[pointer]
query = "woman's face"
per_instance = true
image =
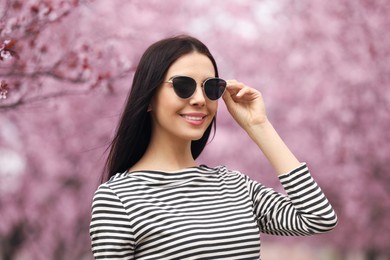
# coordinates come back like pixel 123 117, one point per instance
pixel 175 118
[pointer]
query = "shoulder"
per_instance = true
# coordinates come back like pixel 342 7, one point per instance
pixel 106 191
pixel 117 180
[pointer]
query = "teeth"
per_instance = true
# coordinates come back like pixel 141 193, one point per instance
pixel 194 118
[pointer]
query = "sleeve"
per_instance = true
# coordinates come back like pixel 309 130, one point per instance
pixel 110 230
pixel 304 211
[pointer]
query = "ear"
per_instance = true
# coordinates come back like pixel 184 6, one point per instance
pixel 149 108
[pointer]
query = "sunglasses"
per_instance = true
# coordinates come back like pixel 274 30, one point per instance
pixel 185 87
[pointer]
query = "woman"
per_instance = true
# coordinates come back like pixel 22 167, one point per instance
pixel 157 202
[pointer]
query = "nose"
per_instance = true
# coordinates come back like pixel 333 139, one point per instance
pixel 198 98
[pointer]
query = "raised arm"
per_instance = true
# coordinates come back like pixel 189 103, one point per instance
pixel 247 107
pixel 305 210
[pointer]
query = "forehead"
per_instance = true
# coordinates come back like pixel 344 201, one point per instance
pixel 192 64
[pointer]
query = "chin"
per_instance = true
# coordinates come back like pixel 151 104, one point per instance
pixel 195 137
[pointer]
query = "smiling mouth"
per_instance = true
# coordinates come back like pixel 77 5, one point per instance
pixel 193 118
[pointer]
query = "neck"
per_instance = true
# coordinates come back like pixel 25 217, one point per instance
pixel 166 155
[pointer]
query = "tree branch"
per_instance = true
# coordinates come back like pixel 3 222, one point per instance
pixel 24 101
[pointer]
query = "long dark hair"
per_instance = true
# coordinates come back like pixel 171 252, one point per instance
pixel 134 130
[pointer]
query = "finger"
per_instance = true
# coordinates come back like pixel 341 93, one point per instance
pixel 245 90
pixel 244 94
pixel 231 81
pixel 234 85
pixel 227 98
pixel 229 102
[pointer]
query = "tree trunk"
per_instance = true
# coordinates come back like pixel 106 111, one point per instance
pixel 371 254
pixel 12 243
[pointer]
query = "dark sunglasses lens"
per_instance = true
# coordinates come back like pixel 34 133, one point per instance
pixel 184 86
pixel 214 88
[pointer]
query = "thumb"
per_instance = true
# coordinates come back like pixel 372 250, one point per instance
pixel 229 102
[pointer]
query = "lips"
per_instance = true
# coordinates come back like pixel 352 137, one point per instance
pixel 194 118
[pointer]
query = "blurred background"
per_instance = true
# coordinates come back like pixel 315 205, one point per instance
pixel 66 67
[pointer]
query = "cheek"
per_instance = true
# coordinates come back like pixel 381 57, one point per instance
pixel 212 107
pixel 164 100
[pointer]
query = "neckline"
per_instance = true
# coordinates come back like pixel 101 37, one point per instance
pixel 186 169
pixel 168 178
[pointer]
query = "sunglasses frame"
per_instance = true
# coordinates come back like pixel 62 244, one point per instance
pixel 196 83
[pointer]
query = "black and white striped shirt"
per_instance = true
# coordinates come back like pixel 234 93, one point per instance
pixel 202 213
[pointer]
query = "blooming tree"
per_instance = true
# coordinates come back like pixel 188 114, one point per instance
pixel 65 70
pixel 326 68
pixel 323 68
pixel 336 71
pixel 66 67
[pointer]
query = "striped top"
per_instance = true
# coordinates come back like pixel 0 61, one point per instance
pixel 202 213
